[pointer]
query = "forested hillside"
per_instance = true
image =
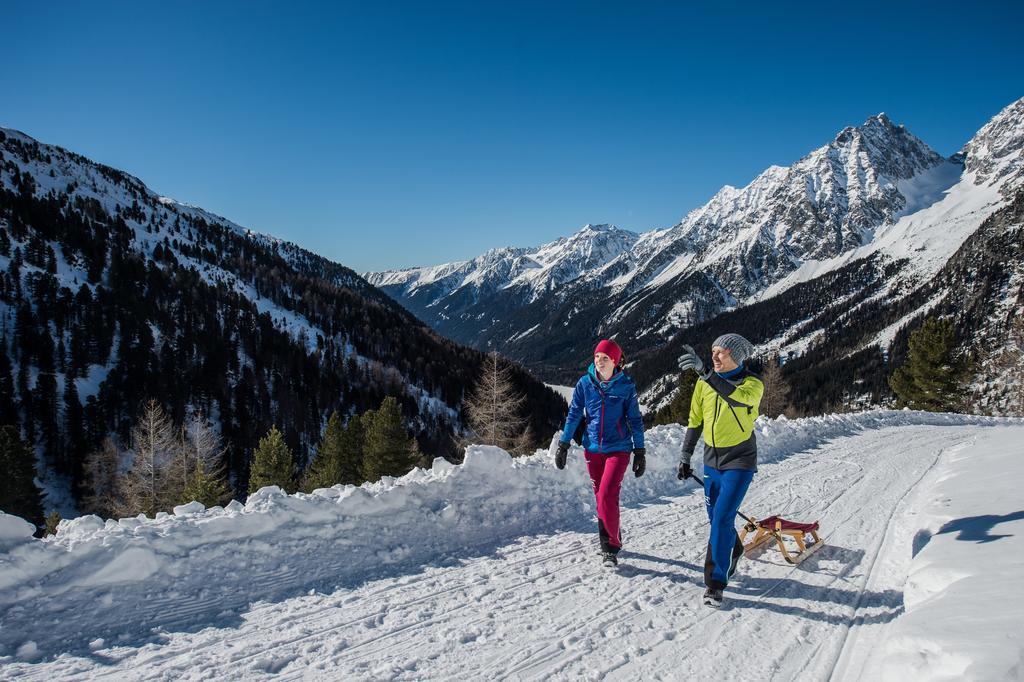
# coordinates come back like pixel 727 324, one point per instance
pixel 111 296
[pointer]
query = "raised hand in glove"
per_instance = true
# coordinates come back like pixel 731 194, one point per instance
pixel 561 453
pixel 689 360
pixel 639 461
pixel 685 471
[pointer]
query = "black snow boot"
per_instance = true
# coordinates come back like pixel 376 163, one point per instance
pixel 713 597
pixel 609 560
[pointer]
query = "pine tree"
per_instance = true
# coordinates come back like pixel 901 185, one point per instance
pixel 272 464
pixel 493 410
pixel 353 441
pixel 45 406
pixel 52 521
pixel 8 408
pixel 417 456
pixel 206 487
pixel 18 492
pixel 776 389
pixel 25 400
pixel 74 430
pixel 678 411
pixel 387 443
pixel 102 483
pixel 325 469
pixel 932 378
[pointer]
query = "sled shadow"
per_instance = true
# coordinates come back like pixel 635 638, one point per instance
pixel 830 559
pixel 776 595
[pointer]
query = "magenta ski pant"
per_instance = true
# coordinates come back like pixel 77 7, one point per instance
pixel 606 472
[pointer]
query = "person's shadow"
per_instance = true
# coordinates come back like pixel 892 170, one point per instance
pixel 685 573
pixel 969 529
pixel 777 594
pixel 978 528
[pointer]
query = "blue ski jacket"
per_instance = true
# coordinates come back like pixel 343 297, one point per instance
pixel 612 411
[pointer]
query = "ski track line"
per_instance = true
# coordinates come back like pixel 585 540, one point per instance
pixel 604 617
pixel 313 617
pixel 537 656
pixel 852 633
pixel 161 658
pixel 557 588
pixel 477 598
pixel 371 657
pixel 859 586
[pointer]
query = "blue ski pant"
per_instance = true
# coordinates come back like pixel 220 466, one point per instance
pixel 723 495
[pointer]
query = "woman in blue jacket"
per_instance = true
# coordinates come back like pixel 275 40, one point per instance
pixel 606 398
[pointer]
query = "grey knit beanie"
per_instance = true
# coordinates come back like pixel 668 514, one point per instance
pixel 740 347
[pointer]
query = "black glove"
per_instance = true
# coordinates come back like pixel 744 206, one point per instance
pixel 685 471
pixel 639 461
pixel 561 453
pixel 689 360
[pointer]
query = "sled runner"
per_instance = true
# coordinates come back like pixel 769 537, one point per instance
pixel 805 535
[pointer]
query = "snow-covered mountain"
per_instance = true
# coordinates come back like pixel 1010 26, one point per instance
pixel 874 189
pixel 465 299
pixel 844 321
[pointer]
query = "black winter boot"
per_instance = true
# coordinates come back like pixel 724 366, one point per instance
pixel 713 597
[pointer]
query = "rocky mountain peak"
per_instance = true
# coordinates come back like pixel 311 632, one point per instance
pixel 891 149
pixel 995 153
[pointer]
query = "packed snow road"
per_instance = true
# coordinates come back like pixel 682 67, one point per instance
pixel 542 607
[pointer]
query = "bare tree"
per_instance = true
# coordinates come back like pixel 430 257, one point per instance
pixel 199 453
pixel 776 389
pixel 149 487
pixel 494 409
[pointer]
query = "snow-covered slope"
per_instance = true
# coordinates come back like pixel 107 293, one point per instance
pixel 488 570
pixel 948 212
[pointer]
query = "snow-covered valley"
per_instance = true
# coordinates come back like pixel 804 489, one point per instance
pixel 490 570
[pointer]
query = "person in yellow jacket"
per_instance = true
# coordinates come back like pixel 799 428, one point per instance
pixel 724 407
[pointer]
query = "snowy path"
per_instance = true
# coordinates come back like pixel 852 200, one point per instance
pixel 542 608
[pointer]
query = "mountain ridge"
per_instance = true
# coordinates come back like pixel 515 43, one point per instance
pixel 720 254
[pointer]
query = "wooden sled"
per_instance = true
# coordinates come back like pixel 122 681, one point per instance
pixel 777 528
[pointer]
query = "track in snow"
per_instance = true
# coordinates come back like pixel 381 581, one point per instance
pixel 543 608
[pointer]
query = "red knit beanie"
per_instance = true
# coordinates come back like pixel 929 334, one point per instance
pixel 611 349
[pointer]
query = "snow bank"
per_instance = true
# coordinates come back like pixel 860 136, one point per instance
pixel 198 565
pixel 14 530
pixel 963 597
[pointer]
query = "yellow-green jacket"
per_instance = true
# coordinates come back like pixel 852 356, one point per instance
pixel 724 407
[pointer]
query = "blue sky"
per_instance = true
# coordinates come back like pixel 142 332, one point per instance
pixel 420 133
